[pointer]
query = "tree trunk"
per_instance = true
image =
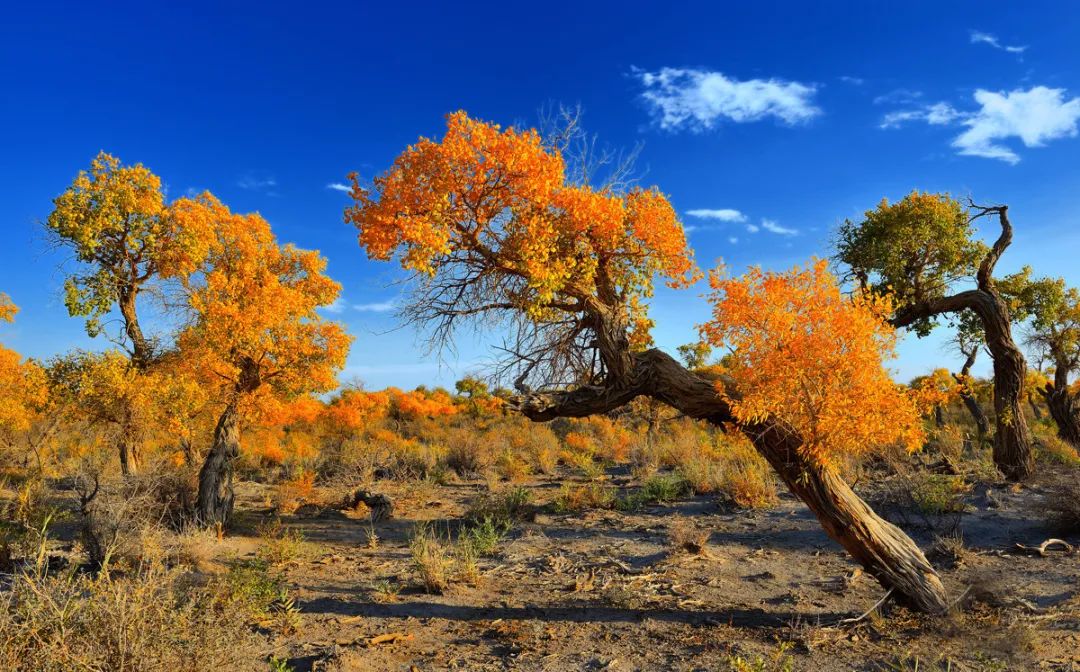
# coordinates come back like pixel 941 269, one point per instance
pixel 1012 440
pixel 1063 406
pixel 887 554
pixel 880 547
pixel 187 448
pixel 215 503
pixel 982 423
pixel 129 450
pixel 939 416
pixel 1035 409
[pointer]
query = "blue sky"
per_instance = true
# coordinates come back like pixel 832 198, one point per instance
pixel 782 119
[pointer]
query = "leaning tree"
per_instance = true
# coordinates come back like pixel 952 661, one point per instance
pixel 918 251
pixel 493 230
pixel 255 331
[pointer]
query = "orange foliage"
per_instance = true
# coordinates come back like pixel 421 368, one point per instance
pixel 808 355
pixel 502 194
pixel 936 389
pixel 353 410
pixel 255 303
pixel 420 404
pixel 23 388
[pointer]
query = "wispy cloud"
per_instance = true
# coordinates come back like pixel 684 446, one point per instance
pixel 753 228
pixel 722 214
pixel 854 81
pixel 381 307
pixel 696 100
pixel 1035 116
pixel 772 227
pixel 734 240
pixel 338 186
pixel 337 307
pixel 898 97
pixel 254 182
pixel 979 37
pixel 938 114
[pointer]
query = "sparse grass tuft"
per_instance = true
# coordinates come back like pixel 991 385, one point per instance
pixel 431 560
pixel 685 537
pixel 279 545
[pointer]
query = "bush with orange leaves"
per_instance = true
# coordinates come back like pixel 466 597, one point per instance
pixel 291 493
pixel 803 352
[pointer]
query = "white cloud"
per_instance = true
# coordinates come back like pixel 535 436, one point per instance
pixel 772 227
pixel 753 228
pixel 254 183
pixel 898 96
pixel 978 37
pixel 854 81
pixel 723 214
pixel 381 307
pixel 938 114
pixel 690 99
pixel 734 240
pixel 338 306
pixel 338 186
pixel 1036 116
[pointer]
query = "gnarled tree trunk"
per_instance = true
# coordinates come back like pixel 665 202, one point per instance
pixel 215 503
pixel 880 547
pixel 1063 406
pixel 1012 440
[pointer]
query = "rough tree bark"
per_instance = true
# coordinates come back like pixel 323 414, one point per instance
pixel 1063 406
pixel 141 356
pixel 1012 440
pixel 880 547
pixel 215 504
pixel 982 423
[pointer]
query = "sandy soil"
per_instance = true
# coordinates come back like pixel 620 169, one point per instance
pixel 601 590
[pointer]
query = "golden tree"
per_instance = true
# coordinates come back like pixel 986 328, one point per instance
pixel 254 328
pixel 126 241
pixel 804 354
pixel 24 391
pixel 492 229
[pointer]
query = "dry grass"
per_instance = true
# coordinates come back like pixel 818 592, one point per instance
pixel 432 560
pixel 154 620
pixel 1062 508
pixel 685 537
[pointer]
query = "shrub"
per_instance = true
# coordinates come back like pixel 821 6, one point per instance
pixel 502 508
pixel 483 537
pixel 291 493
pixel 657 489
pixel 154 620
pixel 573 498
pixel 430 560
pixel 939 494
pixel 685 537
pixel 467 454
pixel 1057 450
pixel 1062 504
pixel 279 545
